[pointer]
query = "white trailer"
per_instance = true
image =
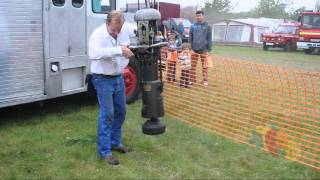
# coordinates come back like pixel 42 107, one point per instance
pixel 43 47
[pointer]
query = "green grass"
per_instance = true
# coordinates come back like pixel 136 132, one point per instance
pixel 274 56
pixel 59 141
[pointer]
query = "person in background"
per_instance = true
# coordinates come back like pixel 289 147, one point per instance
pixel 200 38
pixel 185 64
pixel 172 57
pixel 159 37
pixel 109 56
pixel 163 28
pixel 180 32
pixel 180 27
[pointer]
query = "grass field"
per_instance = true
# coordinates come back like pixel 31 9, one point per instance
pixel 245 98
pixel 276 56
pixel 58 141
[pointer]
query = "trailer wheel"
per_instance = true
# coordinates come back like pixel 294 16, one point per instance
pixel 293 46
pixel 287 47
pixel 308 51
pixel 265 46
pixel 290 46
pixel 132 81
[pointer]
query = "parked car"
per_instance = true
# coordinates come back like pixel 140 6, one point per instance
pixel 285 37
pixel 174 22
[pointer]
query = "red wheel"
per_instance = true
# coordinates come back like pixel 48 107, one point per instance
pixel 130 77
pixel 132 81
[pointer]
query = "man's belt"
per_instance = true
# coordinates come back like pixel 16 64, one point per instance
pixel 201 51
pixel 107 76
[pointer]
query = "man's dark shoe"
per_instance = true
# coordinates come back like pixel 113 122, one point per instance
pixel 122 149
pixel 112 161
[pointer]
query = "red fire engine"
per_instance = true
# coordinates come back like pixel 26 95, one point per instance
pixel 309 33
pixel 285 37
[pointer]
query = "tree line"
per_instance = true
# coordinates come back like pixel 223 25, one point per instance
pixel 216 10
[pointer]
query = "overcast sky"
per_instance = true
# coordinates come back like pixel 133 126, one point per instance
pixel 246 5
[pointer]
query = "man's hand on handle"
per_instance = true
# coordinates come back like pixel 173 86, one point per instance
pixel 126 52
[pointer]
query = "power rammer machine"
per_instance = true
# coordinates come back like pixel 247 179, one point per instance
pixel 146 47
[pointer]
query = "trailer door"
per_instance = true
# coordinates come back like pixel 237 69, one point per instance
pixel 21 52
pixel 67 28
pixel 66 57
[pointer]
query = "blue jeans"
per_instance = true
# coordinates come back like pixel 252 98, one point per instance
pixel 112 102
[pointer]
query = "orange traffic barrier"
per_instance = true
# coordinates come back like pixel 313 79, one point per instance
pixel 268 107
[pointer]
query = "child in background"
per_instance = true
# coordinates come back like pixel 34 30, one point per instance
pixel 185 62
pixel 172 58
pixel 163 52
pixel 159 37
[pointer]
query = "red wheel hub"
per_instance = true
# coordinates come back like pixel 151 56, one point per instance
pixel 130 79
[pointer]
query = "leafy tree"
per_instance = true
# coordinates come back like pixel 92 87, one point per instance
pixel 217 9
pixel 272 8
pixel 295 14
pixel 317 7
pixel 221 6
pixel 189 13
pixel 242 15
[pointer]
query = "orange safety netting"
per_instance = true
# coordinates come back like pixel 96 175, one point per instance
pixel 269 107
